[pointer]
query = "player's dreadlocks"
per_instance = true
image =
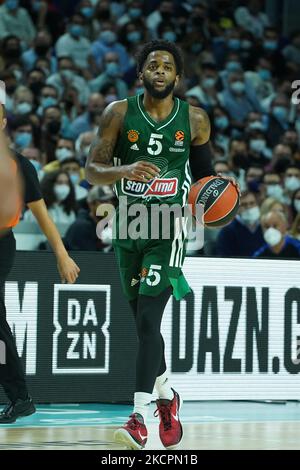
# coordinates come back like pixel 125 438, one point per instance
pixel 160 45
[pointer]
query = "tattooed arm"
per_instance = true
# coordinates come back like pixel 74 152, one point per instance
pixel 99 165
pixel 200 126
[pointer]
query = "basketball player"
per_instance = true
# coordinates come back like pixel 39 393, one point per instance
pixel 143 141
pixel 11 373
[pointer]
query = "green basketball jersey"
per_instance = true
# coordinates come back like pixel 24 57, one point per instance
pixel 166 144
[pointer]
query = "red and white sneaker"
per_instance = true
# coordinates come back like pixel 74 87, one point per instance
pixel 170 428
pixel 133 434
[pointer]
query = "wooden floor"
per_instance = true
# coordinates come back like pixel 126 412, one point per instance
pixel 196 437
pixel 210 425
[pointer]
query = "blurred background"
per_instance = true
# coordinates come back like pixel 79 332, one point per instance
pixel 64 61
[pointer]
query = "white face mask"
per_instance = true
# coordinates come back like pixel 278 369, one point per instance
pixel 272 236
pixel 63 153
pixel 297 205
pixel 275 190
pixel 107 236
pixel 292 183
pixel 257 145
pixel 250 216
pixel 61 191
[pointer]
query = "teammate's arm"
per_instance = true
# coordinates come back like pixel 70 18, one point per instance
pixel 99 165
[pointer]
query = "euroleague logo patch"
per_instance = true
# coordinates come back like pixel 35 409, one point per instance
pixel 179 135
pixel 133 136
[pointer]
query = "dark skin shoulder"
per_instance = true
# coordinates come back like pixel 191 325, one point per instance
pixel 200 125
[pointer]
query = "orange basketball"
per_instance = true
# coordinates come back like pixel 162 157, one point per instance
pixel 219 198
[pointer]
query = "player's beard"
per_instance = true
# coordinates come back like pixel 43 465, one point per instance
pixel 159 94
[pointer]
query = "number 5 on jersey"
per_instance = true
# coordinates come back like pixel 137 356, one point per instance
pixel 155 142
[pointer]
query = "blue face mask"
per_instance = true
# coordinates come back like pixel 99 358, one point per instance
pixel 75 178
pixel 169 36
pixel 221 122
pixel 108 37
pixel 238 87
pixel 134 37
pixel 270 45
pixel 87 12
pixel 24 108
pixel 280 112
pixel 112 69
pixel 76 30
pixel 233 66
pixel 12 4
pixel 208 82
pixel 234 44
pixel 23 139
pixel 117 9
pixel 134 12
pixel 37 165
pixel 48 101
pixel 265 74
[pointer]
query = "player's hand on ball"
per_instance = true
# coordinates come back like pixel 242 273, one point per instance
pixel 233 181
pixel 68 270
pixel 141 171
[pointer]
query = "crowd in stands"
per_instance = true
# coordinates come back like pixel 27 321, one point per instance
pixel 63 62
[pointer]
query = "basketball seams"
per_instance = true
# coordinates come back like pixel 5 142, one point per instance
pixel 224 216
pixel 216 200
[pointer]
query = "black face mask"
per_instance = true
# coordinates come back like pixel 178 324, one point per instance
pixel 53 127
pixel 95 114
pixel 11 89
pixel 41 49
pixel 13 53
pixel 241 160
pixel 36 87
pixel 103 14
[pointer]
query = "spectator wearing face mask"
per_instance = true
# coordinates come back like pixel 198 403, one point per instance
pixel 67 75
pixel 110 77
pixel 16 20
pixel 238 99
pixel 292 51
pixel 75 45
pixel 272 187
pixel 262 78
pixel 243 236
pixel 108 42
pixel 253 178
pixel 83 145
pixel 48 98
pixel 23 101
pixel 89 121
pixel 41 48
pixel 83 233
pixel 22 133
pixel 134 12
pixel 59 196
pixel 278 244
pixel 278 119
pixel 281 159
pixel 34 156
pixel 259 152
pixel 65 148
pixel 206 91
pixel 291 182
pixel 76 174
pixel 51 128
pixel 11 50
pixel 221 129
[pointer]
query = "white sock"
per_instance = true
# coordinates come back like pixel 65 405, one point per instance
pixel 163 387
pixel 142 402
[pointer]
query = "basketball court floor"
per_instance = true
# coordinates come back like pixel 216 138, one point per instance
pixel 207 425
